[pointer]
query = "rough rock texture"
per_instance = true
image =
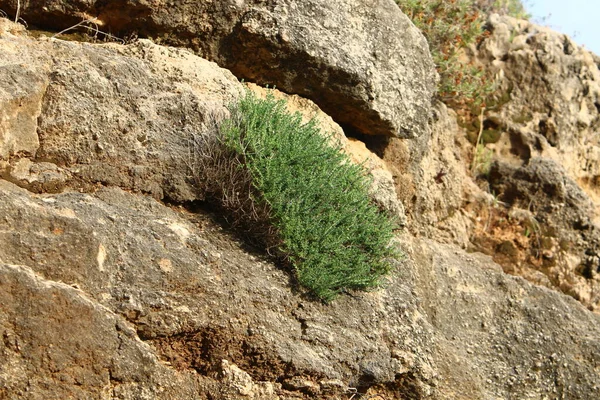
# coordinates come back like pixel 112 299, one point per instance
pixel 57 342
pixel 560 216
pixel 134 297
pixel 120 115
pixel 109 114
pixel 363 62
pixel 551 90
pixel 113 294
pixel 432 181
pixel 546 120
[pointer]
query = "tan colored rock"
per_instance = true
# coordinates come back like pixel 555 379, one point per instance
pixel 22 86
pixel 447 325
pixel 432 181
pixel 67 345
pixel 37 176
pixel 239 380
pixel 551 89
pixel 106 114
pixel 547 113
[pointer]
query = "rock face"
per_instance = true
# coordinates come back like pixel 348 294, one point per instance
pixel 560 216
pixel 131 133
pixel 547 157
pixel 363 62
pixel 431 179
pixel 126 298
pixel 134 132
pixel 105 292
pixel 552 96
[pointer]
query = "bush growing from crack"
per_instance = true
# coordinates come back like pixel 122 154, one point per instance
pixel 286 185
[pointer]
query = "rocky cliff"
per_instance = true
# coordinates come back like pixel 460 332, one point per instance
pixel 117 281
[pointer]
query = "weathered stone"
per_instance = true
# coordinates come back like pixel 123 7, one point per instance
pixel 111 294
pixel 102 127
pixel 363 62
pixel 22 85
pixel 217 302
pixel 550 98
pixel 37 177
pixel 431 179
pixel 110 114
pixel 57 342
pixel 561 219
pixel 548 113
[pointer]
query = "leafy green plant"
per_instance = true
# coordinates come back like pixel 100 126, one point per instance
pixel 314 197
pixel 482 160
pixel 450 26
pixel 482 157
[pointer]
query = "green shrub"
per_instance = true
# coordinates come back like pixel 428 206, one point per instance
pixel 450 26
pixel 310 193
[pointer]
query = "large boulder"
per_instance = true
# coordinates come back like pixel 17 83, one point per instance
pixel 79 115
pixel 105 114
pixel 363 62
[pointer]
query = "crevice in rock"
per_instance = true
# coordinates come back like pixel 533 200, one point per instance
pixel 404 387
pixel 375 143
pixel 519 147
pixel 207 349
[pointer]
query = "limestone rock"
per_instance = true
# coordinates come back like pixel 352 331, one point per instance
pixel 37 177
pixel 363 62
pixel 562 220
pixel 548 115
pixel 111 114
pixel 104 316
pixel 106 292
pixel 550 105
pixel 21 90
pixel 59 342
pixel 431 179
pixel 101 126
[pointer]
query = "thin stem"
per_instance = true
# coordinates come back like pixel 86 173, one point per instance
pixel 18 11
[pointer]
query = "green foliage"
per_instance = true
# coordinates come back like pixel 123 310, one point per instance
pixel 450 26
pixel 482 160
pixel 327 227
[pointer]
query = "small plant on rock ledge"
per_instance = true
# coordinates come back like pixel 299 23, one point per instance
pixel 283 181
